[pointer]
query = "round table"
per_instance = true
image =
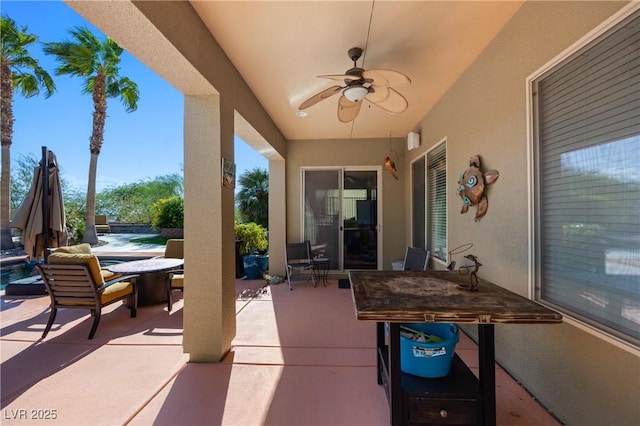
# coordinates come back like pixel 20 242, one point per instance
pixel 321 269
pixel 153 281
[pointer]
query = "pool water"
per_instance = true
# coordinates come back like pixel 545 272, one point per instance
pixel 16 271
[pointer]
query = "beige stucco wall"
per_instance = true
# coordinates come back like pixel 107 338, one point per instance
pixel 580 377
pixel 352 152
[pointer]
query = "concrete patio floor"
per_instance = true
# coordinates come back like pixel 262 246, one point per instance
pixel 299 358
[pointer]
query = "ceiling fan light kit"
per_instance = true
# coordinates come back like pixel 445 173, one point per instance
pixel 355 93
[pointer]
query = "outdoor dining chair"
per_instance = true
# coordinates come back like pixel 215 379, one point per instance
pixel 298 257
pixel 416 259
pixel 174 250
pixel 75 281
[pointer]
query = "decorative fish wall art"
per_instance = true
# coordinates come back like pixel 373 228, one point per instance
pixel 472 185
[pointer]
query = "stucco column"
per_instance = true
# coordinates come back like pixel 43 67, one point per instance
pixel 209 294
pixel 277 217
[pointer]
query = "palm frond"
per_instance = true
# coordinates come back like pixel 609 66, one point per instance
pixel 28 77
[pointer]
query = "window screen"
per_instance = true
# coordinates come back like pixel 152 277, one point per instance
pixel 587 120
pixel 418 189
pixel 437 201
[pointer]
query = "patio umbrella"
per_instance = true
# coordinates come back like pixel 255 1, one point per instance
pixel 41 216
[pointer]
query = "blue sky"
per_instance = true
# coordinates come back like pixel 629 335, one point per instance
pixel 139 145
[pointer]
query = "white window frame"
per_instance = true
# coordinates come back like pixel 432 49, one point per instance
pixel 602 29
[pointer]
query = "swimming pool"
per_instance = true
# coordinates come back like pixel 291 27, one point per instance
pixel 10 272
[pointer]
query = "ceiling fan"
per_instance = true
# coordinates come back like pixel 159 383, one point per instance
pixel 376 86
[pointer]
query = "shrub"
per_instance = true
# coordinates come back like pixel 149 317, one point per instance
pixel 168 213
pixel 252 236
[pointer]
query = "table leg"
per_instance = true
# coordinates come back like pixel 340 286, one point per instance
pixel 395 374
pixel 152 288
pixel 486 357
pixel 325 273
pixel 380 347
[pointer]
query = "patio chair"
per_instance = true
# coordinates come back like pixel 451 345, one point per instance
pixel 85 248
pixel 174 250
pixel 298 256
pixel 102 226
pixel 75 281
pixel 416 259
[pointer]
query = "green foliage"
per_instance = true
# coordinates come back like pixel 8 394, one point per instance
pixel 28 77
pixel 74 209
pixel 133 203
pixel 21 178
pixel 253 237
pixel 97 63
pixel 169 213
pixel 253 197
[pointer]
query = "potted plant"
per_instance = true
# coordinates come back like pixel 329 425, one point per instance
pixel 252 244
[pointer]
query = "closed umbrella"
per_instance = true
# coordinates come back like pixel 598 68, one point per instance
pixel 41 215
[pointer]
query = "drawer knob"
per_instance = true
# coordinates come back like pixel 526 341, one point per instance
pixel 443 414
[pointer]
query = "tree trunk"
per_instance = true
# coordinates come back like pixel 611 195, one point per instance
pixel 90 235
pixel 95 145
pixel 6 135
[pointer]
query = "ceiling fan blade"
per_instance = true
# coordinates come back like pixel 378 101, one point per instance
pixel 394 103
pixel 320 96
pixel 347 110
pixel 387 78
pixel 377 94
pixel 340 77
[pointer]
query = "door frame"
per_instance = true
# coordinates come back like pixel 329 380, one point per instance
pixel 379 209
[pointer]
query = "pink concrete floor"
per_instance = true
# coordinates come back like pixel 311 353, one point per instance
pixel 299 358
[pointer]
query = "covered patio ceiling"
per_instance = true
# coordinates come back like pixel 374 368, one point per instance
pixel 280 47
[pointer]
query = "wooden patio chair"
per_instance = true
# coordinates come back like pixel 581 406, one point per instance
pixel 75 281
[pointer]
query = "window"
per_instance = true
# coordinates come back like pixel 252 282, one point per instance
pixel 437 201
pixel 418 195
pixel 586 124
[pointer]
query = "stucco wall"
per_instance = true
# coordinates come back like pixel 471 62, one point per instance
pixel 580 377
pixel 352 152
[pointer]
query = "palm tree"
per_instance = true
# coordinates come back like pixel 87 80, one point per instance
pixel 21 73
pixel 253 198
pixel 96 63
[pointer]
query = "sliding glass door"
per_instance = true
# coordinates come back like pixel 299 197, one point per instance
pixel 341 216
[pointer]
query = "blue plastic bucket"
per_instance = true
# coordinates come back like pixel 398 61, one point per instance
pixel 429 359
pixel 251 267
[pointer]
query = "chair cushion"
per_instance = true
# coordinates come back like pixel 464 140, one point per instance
pixel 115 291
pixel 80 248
pixel 90 260
pixel 107 275
pixel 177 281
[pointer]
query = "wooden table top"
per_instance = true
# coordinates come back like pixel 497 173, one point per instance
pixel 145 266
pixel 434 296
